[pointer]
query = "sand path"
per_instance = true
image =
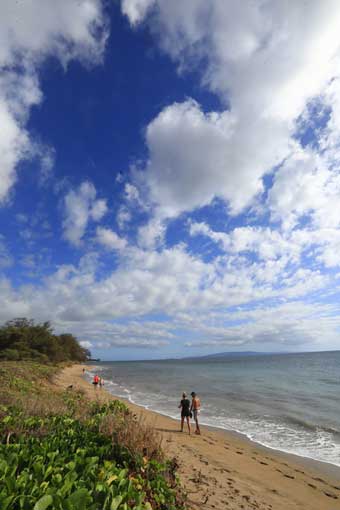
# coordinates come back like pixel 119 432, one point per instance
pixel 222 470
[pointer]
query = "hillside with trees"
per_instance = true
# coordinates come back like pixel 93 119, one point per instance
pixel 23 339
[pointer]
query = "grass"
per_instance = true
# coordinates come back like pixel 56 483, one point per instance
pixel 60 451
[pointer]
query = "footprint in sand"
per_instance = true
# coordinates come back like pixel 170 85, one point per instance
pixel 330 495
pixel 311 485
pixel 289 476
pixel 263 463
pixel 319 480
pixel 239 453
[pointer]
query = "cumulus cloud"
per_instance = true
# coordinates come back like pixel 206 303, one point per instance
pixel 266 243
pixel 30 32
pixel 171 281
pixel 110 239
pixel 306 186
pixel 265 63
pixel 79 207
pixel 123 217
pixel 130 334
pixel 284 325
pixel 193 159
pixel 14 139
pixel 152 234
pixel 136 9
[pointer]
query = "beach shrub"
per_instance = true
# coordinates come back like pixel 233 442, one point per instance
pixel 60 451
pixel 66 464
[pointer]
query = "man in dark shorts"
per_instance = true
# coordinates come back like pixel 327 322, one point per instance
pixel 185 411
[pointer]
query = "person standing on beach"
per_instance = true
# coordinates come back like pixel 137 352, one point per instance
pixel 185 411
pixel 95 381
pixel 195 409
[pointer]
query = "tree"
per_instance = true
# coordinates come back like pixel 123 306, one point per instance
pixel 22 338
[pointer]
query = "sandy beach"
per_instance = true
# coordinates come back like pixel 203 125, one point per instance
pixel 220 469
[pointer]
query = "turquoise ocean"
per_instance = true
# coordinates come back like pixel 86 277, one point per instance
pixel 289 402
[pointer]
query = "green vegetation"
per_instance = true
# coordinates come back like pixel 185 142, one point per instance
pixel 22 339
pixel 60 451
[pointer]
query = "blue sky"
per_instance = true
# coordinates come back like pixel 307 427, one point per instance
pixel 169 174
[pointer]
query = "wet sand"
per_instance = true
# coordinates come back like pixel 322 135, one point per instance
pixel 223 470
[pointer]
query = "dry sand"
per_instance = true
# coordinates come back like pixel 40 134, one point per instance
pixel 222 470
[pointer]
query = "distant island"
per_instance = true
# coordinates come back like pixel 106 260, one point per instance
pixel 233 354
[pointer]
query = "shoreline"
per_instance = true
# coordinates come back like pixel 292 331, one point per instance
pixel 318 465
pixel 321 467
pixel 225 469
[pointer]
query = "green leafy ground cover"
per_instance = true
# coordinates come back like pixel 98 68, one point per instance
pixel 71 454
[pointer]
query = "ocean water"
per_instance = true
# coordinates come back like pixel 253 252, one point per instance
pixel 290 402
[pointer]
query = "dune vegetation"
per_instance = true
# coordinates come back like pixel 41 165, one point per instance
pixel 60 451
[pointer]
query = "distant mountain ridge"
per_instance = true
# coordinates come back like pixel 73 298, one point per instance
pixel 233 354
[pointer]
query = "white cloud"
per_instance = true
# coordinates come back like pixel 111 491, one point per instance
pixel 193 159
pixel 266 243
pixel 14 139
pixel 6 259
pixel 86 344
pixel 265 63
pixel 306 186
pixel 183 286
pixel 123 217
pixel 152 234
pixel 79 207
pixel 30 32
pixel 131 192
pixel 151 282
pixel 130 334
pixel 136 9
pixel 110 239
pixel 68 29
pixel 98 209
pixel 284 325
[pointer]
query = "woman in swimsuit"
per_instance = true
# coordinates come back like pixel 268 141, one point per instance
pixel 185 411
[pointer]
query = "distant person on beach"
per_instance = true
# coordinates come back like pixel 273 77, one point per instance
pixel 185 411
pixel 195 409
pixel 101 382
pixel 83 370
pixel 95 381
